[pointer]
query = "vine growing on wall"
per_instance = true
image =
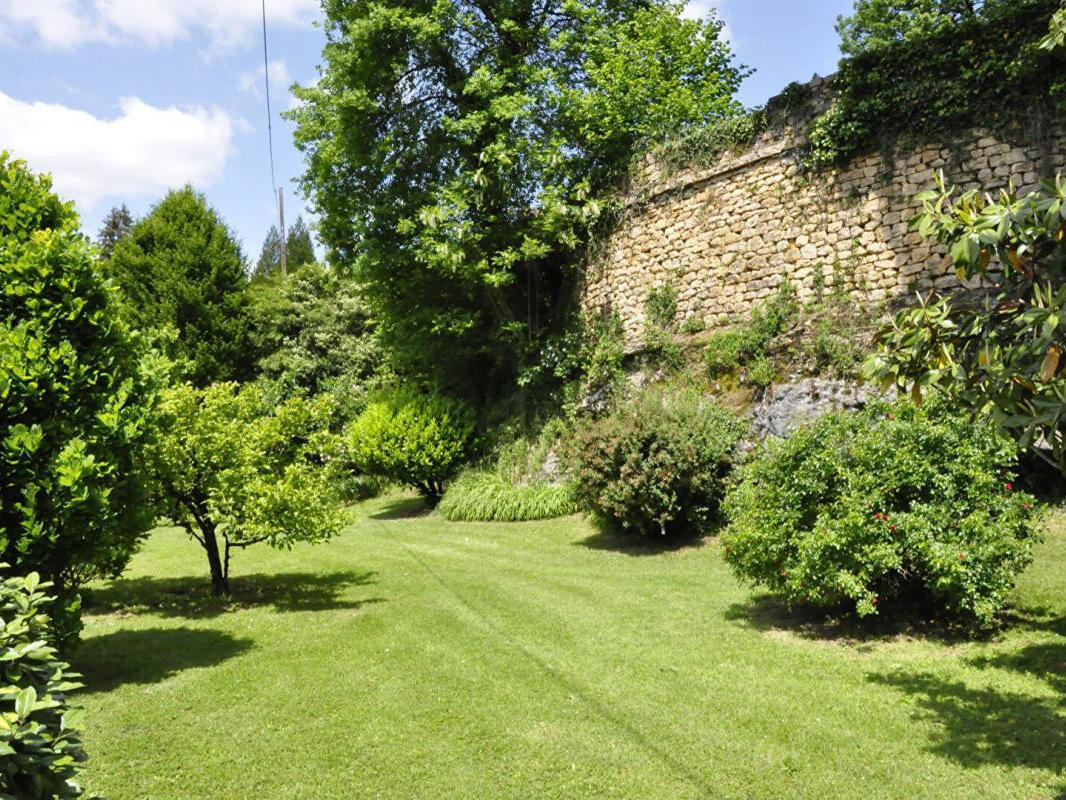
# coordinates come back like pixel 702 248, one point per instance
pixel 917 76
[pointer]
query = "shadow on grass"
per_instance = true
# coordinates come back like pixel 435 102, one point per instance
pixel 151 656
pixel 975 727
pixel 191 596
pixel 407 508
pixel 635 544
pixel 768 612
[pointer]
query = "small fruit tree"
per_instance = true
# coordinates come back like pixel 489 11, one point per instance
pixel 235 473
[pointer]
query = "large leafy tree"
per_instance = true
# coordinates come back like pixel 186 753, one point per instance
pixel 181 268
pixel 236 472
pixel 74 400
pixel 875 24
pixel 459 154
pixel 312 333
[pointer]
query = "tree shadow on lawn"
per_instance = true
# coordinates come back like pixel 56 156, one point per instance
pixel 151 656
pixel 407 508
pixel 975 727
pixel 191 597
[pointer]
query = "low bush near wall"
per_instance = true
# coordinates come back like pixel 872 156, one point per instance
pixel 480 496
pixel 657 464
pixel 746 345
pixel 878 510
pixel 40 750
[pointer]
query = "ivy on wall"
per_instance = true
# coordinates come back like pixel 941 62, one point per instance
pixel 986 69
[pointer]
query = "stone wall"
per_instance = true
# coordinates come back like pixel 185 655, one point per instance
pixel 728 235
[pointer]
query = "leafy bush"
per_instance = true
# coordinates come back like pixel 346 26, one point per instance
pixel 419 440
pixel 656 465
pixel 888 506
pixel 40 750
pixel 234 472
pixel 75 400
pixel 481 496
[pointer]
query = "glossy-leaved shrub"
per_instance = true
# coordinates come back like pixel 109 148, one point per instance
pixel 417 439
pixel 41 752
pixel 656 465
pixel 893 508
pixel 75 401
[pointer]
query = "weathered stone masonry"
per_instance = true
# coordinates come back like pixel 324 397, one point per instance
pixel 727 236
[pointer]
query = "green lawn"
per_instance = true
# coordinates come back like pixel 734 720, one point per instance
pixel 417 658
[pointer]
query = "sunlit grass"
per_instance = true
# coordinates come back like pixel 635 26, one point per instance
pixel 414 657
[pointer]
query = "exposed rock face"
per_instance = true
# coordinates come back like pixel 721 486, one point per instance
pixel 785 407
pixel 728 235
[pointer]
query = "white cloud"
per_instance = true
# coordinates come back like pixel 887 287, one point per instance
pixel 143 151
pixel 66 24
pixel 252 80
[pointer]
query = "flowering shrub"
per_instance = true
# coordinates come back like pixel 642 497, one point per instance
pixel 896 503
pixel 657 465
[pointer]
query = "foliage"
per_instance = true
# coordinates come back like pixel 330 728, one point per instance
pixel 747 344
pixel 41 752
pixel 75 397
pixel 117 226
pixel 1003 357
pixel 227 467
pixel 462 154
pixel 656 465
pixel 480 496
pixel 1056 36
pixel 660 325
pixel 182 268
pixel 298 250
pixel 312 333
pixel 693 324
pixel 923 69
pixel 419 440
pixel 888 506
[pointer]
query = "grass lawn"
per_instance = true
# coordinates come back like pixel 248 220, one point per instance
pixel 412 657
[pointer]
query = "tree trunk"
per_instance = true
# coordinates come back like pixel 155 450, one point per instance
pixel 219 576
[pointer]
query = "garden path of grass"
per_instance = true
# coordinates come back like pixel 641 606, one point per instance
pixel 416 658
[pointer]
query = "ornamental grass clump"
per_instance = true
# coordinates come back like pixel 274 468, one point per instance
pixel 892 509
pixel 657 465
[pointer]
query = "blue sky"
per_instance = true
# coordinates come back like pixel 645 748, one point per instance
pixel 121 99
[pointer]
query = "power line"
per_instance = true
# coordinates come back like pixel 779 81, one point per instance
pixel 279 199
pixel 270 115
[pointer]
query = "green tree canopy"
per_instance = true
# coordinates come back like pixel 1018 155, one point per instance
pixel 181 268
pixel 460 153
pixel 312 333
pixel 74 401
pixel 235 473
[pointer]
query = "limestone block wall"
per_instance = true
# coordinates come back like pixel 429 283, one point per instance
pixel 727 236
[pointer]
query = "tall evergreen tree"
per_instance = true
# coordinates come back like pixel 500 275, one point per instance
pixel 117 225
pixel 181 269
pixel 299 249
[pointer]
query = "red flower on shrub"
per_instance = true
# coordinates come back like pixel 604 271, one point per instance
pixel 893 528
pixel 962 556
pixel 1008 486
